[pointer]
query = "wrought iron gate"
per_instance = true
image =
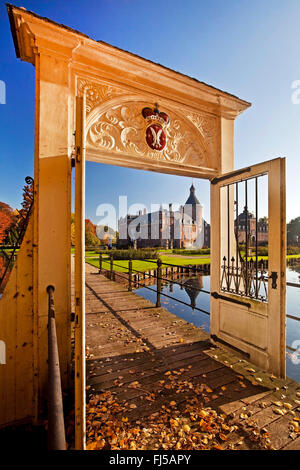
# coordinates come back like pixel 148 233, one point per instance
pixel 243 271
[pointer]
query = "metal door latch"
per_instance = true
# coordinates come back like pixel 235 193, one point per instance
pixel 274 277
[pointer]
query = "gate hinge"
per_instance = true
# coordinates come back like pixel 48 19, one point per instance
pixel 78 151
pixel 230 175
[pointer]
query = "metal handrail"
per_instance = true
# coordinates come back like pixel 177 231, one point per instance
pixel 159 278
pixel 292 284
pixel 158 291
pixel 56 425
pixel 166 295
pixel 164 279
pixel 153 275
pixel 292 317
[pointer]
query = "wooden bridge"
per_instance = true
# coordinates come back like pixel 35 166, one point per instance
pixel 135 349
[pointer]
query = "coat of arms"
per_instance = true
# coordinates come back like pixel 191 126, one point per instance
pixel 155 135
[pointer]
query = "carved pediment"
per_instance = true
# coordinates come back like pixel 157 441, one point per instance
pixel 115 125
pixel 122 129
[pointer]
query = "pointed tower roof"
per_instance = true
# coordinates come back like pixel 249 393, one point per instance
pixel 192 197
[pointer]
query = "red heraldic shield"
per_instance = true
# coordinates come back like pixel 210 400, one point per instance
pixel 155 137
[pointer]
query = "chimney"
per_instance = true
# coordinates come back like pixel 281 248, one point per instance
pixel 140 212
pixel 145 211
pixel 170 207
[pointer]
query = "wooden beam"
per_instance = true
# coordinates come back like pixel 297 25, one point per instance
pixel 80 275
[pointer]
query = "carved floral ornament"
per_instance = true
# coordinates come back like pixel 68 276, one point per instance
pixel 126 128
pixel 97 94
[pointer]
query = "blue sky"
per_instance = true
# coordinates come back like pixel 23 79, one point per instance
pixel 250 48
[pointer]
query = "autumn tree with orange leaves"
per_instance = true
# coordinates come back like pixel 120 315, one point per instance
pixel 6 220
pixel 12 227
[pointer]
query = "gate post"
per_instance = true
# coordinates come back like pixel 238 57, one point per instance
pixel 130 275
pixel 51 217
pixel 100 263
pixel 226 150
pixel 111 267
pixel 80 274
pixel 158 277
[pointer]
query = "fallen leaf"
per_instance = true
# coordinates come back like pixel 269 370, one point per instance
pixel 186 428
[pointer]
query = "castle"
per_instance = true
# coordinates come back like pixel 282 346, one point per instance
pixel 185 228
pixel 258 231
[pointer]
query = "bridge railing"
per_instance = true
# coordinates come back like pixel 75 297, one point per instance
pixel 292 317
pixel 159 278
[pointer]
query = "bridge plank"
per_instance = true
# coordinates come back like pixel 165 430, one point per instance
pixel 129 340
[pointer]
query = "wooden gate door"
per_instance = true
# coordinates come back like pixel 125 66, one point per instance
pixel 248 280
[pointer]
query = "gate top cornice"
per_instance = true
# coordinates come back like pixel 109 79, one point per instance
pixel 34 35
pixel 118 85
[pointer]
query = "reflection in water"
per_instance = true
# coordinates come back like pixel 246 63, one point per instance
pixel 190 292
pixel 293 326
pixel 187 290
pixel 296 269
pixel 192 287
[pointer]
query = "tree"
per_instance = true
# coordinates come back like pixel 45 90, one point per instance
pixel 6 220
pixel 19 218
pixel 91 238
pixel 13 224
pixel 293 229
pixel 72 229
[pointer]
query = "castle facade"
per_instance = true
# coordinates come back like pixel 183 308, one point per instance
pixel 185 228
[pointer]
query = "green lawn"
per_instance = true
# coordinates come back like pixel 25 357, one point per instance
pixel 183 262
pixel 266 257
pixel 122 265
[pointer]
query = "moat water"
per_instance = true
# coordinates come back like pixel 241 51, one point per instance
pixel 188 293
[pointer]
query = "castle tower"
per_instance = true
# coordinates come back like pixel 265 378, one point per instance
pixel 193 207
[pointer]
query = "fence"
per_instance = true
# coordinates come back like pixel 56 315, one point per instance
pixel 157 274
pixel 292 317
